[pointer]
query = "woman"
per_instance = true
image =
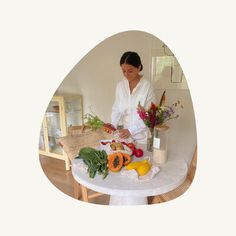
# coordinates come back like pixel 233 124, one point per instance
pixel 129 92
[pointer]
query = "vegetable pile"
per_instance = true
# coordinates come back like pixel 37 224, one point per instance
pixel 95 160
pixel 101 162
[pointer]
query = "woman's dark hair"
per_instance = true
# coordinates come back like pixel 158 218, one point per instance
pixel 131 58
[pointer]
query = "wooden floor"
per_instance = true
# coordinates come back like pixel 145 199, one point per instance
pixel 54 169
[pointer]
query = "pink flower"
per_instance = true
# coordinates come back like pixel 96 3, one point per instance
pixel 142 113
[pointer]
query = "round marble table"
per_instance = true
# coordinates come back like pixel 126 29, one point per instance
pixel 127 191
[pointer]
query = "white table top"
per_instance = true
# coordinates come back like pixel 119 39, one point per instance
pixel 171 175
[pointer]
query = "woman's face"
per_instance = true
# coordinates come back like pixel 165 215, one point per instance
pixel 130 72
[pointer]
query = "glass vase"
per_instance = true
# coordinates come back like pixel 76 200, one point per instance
pixel 150 135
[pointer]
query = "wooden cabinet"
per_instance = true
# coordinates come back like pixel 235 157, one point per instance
pixel 62 112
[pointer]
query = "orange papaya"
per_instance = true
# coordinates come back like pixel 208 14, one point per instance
pixel 115 162
pixel 126 159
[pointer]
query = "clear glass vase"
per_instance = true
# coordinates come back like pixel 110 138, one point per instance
pixel 150 136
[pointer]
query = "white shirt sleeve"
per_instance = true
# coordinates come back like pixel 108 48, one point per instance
pixel 116 113
pixel 139 128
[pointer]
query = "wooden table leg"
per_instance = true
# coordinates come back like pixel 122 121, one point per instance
pixel 84 191
pixel 76 189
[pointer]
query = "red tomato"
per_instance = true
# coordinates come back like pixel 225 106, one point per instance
pixel 138 152
pixel 131 146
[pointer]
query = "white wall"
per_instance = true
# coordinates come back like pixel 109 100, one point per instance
pixel 96 75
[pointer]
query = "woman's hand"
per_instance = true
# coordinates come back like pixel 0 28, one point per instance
pixel 124 133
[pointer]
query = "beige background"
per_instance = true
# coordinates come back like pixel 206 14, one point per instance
pixel 42 40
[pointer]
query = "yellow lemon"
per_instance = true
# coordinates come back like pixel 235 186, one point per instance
pixel 143 169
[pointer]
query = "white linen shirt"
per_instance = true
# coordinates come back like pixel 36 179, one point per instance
pixel 125 107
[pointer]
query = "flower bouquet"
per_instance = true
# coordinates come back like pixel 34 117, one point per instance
pixel 157 115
